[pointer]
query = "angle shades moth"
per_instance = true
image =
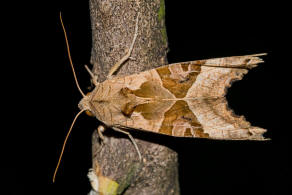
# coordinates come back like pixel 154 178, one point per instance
pixel 182 99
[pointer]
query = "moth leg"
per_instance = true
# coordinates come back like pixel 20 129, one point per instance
pixel 127 56
pixel 92 75
pixel 131 138
pixel 101 129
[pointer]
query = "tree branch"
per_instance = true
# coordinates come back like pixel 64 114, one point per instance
pixel 113 26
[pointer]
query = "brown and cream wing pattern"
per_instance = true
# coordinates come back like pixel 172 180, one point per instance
pixel 184 99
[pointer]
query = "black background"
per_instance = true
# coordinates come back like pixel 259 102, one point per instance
pixel 195 31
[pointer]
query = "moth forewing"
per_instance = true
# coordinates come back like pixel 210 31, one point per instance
pixel 182 99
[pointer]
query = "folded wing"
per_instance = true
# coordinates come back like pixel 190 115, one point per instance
pixel 187 99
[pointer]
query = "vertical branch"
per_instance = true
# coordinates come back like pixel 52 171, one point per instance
pixel 113 26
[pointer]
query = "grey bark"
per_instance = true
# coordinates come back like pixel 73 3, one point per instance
pixel 113 26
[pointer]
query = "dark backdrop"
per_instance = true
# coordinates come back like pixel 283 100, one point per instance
pixel 195 31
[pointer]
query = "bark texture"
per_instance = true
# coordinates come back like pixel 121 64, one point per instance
pixel 113 27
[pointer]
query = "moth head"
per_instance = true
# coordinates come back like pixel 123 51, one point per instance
pixel 84 103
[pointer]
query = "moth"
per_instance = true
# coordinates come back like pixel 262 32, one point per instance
pixel 183 99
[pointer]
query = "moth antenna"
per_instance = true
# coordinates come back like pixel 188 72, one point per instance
pixel 64 144
pixel 69 55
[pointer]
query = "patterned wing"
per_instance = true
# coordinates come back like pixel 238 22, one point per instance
pixel 182 99
pixel 201 118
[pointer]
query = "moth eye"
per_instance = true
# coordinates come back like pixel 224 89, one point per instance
pixel 89 113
